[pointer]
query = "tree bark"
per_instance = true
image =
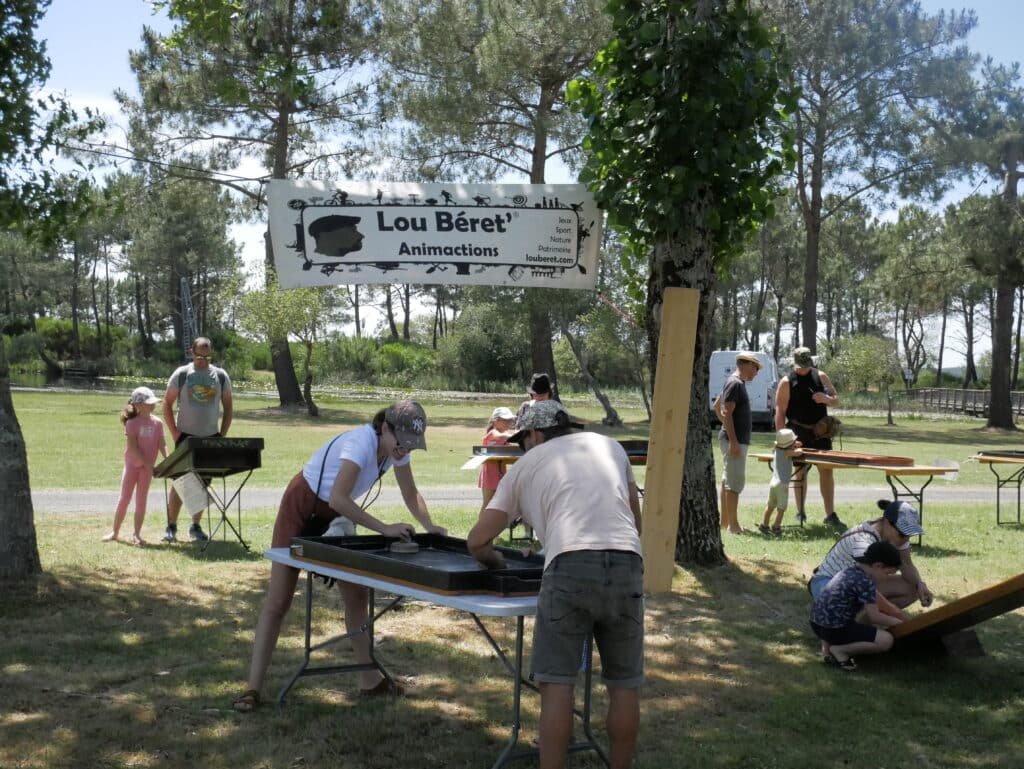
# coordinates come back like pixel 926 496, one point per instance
pixel 19 553
pixel 688 263
pixel 611 416
pixel 1000 409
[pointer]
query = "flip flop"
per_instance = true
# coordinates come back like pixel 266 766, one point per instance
pixel 849 665
pixel 248 702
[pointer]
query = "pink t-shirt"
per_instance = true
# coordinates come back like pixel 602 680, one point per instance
pixel 490 473
pixel 149 434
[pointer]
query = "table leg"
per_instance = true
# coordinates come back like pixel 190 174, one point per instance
pixel 917 496
pixel 1015 477
pixel 223 503
pixel 304 669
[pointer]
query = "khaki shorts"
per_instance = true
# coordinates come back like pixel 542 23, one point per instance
pixel 734 469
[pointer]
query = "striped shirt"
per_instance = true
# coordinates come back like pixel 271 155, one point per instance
pixel 852 544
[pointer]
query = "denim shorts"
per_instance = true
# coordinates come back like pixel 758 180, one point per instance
pixel 584 593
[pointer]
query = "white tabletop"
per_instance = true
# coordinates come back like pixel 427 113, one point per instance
pixel 484 605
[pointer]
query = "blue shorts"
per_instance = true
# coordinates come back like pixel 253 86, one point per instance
pixel 584 593
pixel 817 584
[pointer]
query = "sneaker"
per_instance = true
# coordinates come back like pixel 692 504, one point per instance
pixel 764 530
pixel 170 533
pixel 196 533
pixel 801 518
pixel 833 520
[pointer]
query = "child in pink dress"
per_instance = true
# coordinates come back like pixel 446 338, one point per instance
pixel 499 428
pixel 144 439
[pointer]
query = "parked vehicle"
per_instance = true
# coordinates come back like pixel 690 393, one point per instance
pixel 761 388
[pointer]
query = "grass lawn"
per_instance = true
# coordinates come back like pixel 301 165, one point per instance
pixel 122 656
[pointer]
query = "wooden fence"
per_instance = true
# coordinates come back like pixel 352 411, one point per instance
pixel 973 402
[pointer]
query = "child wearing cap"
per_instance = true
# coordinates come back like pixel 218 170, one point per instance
pixel 144 439
pixel 835 609
pixel 786 445
pixel 500 426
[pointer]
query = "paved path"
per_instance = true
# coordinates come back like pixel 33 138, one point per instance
pixel 103 501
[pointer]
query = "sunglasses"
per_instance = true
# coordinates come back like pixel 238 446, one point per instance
pixel 203 357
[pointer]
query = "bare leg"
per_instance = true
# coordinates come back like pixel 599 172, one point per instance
pixel 729 511
pixel 800 488
pixel 173 507
pixel 128 482
pixel 556 702
pixel 141 500
pixel 357 613
pixel 268 627
pixel 882 643
pixel 623 724
pixel 898 590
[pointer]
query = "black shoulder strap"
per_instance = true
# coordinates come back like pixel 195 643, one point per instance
pixel 181 378
pixel 816 384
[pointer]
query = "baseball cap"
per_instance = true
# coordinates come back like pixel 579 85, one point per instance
pixel 902 515
pixel 502 412
pixel 408 421
pixel 802 357
pixel 539 384
pixel 880 552
pixel 143 395
pixel 784 438
pixel 749 357
pixel 542 415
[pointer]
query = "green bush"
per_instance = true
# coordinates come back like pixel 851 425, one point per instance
pixel 348 360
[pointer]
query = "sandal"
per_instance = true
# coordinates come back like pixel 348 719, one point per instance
pixel 764 530
pixel 248 702
pixel 849 665
pixel 777 532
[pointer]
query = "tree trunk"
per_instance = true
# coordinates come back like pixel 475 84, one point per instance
pixel 19 553
pixel 541 354
pixel 611 416
pixel 355 310
pixel 389 311
pixel 405 298
pixel 942 342
pixel 1015 372
pixel 1000 409
pixel 687 263
pixel 280 353
pixel 76 266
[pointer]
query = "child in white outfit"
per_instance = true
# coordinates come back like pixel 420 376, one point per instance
pixel 778 490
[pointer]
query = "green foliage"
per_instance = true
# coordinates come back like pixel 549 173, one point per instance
pixel 482 347
pixel 349 359
pixel 864 362
pixel 684 112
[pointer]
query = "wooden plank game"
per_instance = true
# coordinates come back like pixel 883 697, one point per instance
pixel 932 626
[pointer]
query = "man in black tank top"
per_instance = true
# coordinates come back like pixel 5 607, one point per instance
pixel 803 398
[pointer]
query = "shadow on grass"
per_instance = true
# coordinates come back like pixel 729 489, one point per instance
pixel 137 664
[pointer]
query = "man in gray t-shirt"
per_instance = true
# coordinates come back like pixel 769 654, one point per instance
pixel 201 391
pixel 733 409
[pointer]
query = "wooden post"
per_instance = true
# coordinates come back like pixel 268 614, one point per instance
pixel 670 415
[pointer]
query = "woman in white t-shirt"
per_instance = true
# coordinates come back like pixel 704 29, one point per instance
pixel 324 494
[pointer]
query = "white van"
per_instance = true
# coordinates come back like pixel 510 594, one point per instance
pixel 761 388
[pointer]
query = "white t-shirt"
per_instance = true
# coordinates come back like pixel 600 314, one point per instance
pixel 573 491
pixel 358 446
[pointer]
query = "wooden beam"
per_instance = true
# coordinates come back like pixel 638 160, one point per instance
pixel 670 414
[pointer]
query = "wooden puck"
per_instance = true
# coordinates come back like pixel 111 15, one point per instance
pixel 403 546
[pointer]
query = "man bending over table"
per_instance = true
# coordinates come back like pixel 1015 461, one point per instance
pixel 576 489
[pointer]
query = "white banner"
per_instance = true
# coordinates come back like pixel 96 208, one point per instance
pixel 538 235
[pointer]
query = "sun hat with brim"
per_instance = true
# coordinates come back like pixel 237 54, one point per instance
pixel 902 516
pixel 784 438
pixel 803 357
pixel 749 357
